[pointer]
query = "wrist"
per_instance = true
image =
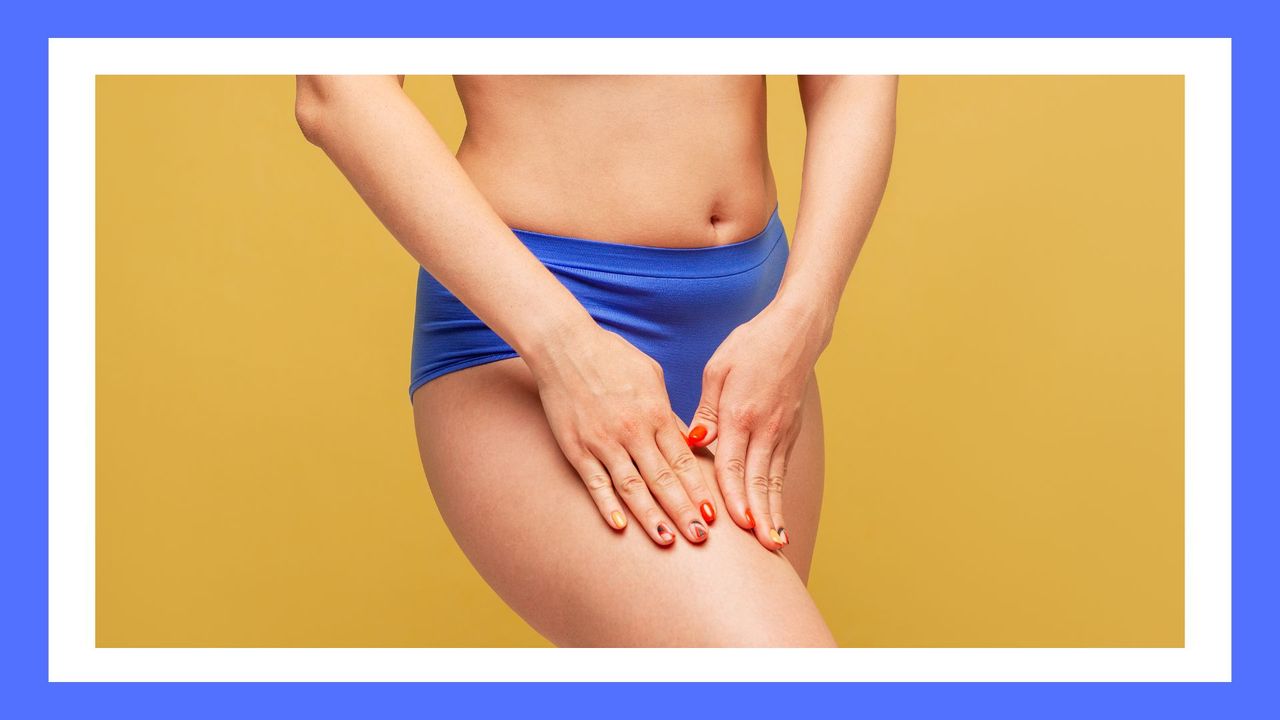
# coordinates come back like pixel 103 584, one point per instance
pixel 810 313
pixel 551 334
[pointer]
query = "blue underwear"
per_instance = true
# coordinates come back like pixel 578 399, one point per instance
pixel 675 305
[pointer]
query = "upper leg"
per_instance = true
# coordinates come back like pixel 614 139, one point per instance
pixel 524 519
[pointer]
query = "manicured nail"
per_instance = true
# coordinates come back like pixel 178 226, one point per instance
pixel 619 520
pixel 751 519
pixel 696 434
pixel 665 533
pixel 782 533
pixel 773 535
pixel 708 511
pixel 698 530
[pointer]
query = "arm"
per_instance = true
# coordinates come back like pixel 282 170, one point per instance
pixel 754 385
pixel 406 174
pixel 605 400
pixel 851 123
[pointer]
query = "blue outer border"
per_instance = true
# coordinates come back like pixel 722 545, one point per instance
pixel 23 297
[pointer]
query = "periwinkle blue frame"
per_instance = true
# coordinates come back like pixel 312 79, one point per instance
pixel 23 308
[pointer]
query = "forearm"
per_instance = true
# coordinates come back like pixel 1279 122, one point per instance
pixel 849 146
pixel 409 178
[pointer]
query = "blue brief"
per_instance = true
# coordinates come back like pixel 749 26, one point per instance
pixel 674 304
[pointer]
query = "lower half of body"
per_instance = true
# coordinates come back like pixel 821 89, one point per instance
pixel 525 521
pixel 521 512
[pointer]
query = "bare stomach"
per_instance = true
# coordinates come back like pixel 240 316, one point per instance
pixel 673 161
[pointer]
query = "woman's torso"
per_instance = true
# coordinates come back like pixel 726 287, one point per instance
pixel 676 161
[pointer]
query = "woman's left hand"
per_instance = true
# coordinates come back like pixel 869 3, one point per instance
pixel 753 390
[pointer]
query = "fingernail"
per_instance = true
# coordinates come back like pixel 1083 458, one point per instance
pixel 665 533
pixel 708 511
pixel 782 533
pixel 698 530
pixel 619 520
pixel 696 434
pixel 773 535
pixel 751 519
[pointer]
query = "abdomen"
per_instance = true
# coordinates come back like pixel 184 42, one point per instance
pixel 676 161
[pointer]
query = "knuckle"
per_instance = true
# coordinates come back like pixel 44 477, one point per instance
pixel 629 426
pixel 573 444
pixel 793 431
pixel 735 467
pixel 684 463
pixel 712 371
pixel 775 485
pixel 576 453
pixel 598 482
pixel 657 368
pixel 595 439
pixel 705 412
pixel 758 484
pixel 664 478
pixel 744 418
pixel 772 426
pixel 630 484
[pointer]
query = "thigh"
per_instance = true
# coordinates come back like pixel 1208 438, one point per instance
pixel 525 521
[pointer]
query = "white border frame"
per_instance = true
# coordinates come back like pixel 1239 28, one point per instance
pixel 73 65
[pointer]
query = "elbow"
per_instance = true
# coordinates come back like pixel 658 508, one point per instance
pixel 325 102
pixel 309 111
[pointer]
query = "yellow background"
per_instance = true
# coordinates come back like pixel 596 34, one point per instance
pixel 1003 395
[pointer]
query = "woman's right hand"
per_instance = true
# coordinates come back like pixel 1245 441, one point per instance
pixel 608 408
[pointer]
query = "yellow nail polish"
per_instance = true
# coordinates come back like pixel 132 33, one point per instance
pixel 773 535
pixel 619 520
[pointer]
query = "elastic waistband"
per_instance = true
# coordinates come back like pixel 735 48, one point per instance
pixel 618 258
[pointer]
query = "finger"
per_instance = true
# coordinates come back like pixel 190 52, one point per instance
pixel 731 463
pixel 635 494
pixel 759 454
pixel 667 489
pixel 600 486
pixel 706 419
pixel 777 474
pixel 682 460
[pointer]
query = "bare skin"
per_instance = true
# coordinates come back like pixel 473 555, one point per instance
pixel 533 535
pixel 526 457
pixel 667 161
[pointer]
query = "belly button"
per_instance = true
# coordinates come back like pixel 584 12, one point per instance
pixel 717 235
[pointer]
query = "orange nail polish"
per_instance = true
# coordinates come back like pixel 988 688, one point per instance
pixel 696 435
pixel 751 519
pixel 708 511
pixel 619 520
pixel 773 535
